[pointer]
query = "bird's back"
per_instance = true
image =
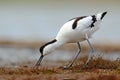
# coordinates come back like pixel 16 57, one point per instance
pixel 75 29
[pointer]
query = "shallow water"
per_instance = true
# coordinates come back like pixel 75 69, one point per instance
pixel 16 56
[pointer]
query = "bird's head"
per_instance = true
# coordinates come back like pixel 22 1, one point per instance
pixel 48 47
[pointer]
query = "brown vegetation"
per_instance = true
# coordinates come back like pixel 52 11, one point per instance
pixel 104 77
pixel 98 69
pixel 100 63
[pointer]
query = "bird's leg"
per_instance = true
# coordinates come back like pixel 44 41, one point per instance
pixel 92 51
pixel 39 61
pixel 79 47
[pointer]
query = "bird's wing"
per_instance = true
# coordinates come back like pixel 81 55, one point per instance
pixel 75 26
pixel 84 23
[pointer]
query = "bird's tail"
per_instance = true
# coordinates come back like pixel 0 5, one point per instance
pixel 101 15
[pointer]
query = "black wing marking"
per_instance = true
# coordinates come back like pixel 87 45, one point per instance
pixel 103 15
pixel 94 20
pixel 76 20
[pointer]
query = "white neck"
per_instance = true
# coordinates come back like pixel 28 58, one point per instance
pixel 51 47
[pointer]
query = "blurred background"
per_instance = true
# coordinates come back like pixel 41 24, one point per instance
pixel 27 24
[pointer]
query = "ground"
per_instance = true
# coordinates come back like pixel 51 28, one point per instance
pixel 97 69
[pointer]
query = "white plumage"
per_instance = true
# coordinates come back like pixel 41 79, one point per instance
pixel 77 34
pixel 74 31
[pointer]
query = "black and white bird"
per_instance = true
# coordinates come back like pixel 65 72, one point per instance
pixel 75 30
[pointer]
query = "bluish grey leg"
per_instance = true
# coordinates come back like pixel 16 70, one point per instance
pixel 79 50
pixel 92 51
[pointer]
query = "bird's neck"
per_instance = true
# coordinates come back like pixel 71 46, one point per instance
pixel 52 46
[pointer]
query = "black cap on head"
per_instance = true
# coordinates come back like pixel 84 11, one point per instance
pixel 103 14
pixel 42 47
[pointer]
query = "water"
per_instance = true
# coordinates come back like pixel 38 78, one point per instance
pixel 15 56
pixel 36 20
